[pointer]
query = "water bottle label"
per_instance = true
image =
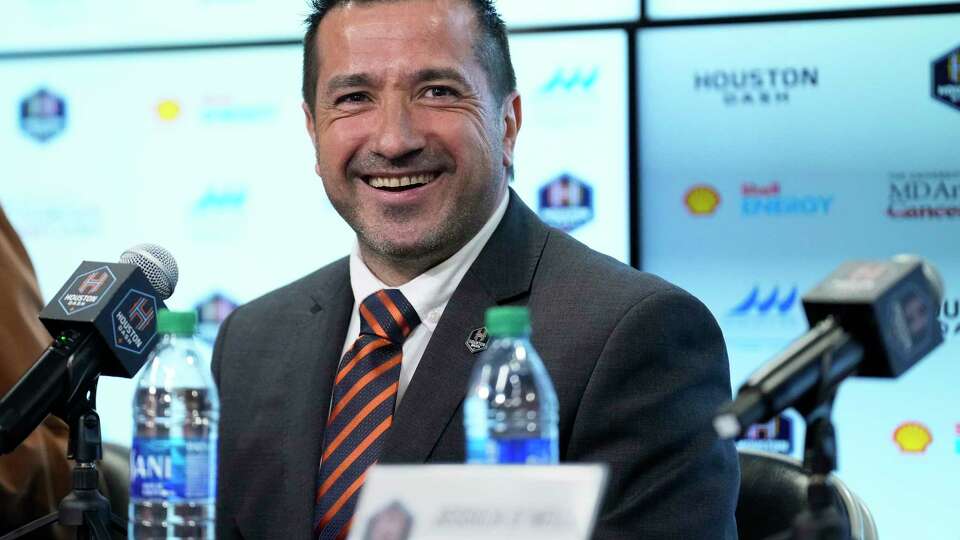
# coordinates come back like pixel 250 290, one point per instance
pixel 532 451
pixel 173 469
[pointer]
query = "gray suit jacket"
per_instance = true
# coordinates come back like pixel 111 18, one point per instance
pixel 639 367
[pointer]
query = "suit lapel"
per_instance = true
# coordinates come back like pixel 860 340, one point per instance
pixel 311 365
pixel 503 271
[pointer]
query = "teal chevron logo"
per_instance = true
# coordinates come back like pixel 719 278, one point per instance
pixel 572 80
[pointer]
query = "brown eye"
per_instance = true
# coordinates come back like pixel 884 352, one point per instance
pixel 355 97
pixel 441 92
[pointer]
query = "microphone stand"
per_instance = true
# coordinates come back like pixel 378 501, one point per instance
pixel 84 507
pixel 821 520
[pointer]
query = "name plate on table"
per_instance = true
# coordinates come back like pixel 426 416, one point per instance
pixel 479 502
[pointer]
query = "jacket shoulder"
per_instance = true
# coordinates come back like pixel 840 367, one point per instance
pixel 569 267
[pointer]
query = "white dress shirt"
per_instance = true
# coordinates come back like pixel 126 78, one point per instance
pixel 428 293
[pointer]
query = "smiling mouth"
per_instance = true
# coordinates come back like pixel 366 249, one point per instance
pixel 399 183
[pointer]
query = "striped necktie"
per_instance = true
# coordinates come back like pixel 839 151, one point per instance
pixel 364 394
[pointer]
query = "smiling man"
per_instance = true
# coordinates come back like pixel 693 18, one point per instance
pixel 412 109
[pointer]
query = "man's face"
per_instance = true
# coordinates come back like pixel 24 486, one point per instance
pixel 410 142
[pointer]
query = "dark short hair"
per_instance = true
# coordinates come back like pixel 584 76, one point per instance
pixel 491 48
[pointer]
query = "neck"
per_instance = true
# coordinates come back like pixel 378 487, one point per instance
pixel 394 272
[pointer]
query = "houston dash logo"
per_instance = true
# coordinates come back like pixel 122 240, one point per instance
pixel 566 202
pixel 86 290
pixel 132 321
pixel 94 282
pixel 43 115
pixel 945 79
pixel 764 304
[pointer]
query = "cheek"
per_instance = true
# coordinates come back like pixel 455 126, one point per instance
pixel 462 134
pixel 339 141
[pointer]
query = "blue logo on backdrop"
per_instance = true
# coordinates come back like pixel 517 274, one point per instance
pixel 571 80
pixel 765 304
pixel 43 115
pixel 769 200
pixel 566 202
pixel 773 436
pixel 946 79
pixel 211 313
pixel 227 110
pixel 214 200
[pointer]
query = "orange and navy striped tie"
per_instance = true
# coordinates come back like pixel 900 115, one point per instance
pixel 364 394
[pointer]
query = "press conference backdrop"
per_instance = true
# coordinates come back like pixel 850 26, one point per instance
pixel 29 25
pixel 205 153
pixel 684 9
pixel 772 152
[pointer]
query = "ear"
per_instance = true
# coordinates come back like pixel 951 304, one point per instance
pixel 512 118
pixel 311 132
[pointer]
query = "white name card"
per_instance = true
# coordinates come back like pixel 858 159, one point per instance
pixel 479 502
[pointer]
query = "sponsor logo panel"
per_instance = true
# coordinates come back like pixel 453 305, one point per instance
pixel 43 115
pixel 567 80
pixel 946 79
pixel 702 200
pixel 774 302
pixel 773 436
pixel 740 87
pixel 133 321
pixel 771 200
pixel 923 195
pixel 566 202
pixel 211 313
pixel 87 290
pixel 912 437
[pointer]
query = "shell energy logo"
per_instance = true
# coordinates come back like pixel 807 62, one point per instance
pixel 912 437
pixel 702 200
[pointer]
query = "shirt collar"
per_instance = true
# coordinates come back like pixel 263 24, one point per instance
pixel 429 292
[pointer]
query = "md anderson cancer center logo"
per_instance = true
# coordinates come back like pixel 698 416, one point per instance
pixel 924 195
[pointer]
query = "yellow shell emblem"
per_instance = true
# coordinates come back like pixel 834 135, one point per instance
pixel 168 110
pixel 702 200
pixel 912 437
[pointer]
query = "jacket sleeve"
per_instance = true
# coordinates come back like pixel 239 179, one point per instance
pixel 647 412
pixel 35 476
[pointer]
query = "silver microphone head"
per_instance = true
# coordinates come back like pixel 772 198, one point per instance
pixel 157 264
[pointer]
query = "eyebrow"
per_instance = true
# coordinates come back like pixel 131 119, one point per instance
pixel 354 80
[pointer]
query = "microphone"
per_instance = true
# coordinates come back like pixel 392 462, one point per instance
pixel 868 318
pixel 103 321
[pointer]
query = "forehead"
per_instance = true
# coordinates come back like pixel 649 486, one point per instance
pixel 395 35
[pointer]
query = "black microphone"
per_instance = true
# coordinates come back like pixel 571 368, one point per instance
pixel 871 319
pixel 103 321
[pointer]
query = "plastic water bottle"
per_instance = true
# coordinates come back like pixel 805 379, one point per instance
pixel 511 410
pixel 173 458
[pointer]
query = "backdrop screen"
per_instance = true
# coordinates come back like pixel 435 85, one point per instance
pixel 29 25
pixel 205 153
pixel 781 153
pixel 682 9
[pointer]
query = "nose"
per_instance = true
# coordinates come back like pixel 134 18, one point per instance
pixel 397 135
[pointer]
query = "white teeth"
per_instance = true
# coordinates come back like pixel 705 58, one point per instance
pixel 393 182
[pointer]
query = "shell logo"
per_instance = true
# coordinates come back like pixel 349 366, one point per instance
pixel 912 437
pixel 702 200
pixel 168 110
